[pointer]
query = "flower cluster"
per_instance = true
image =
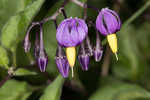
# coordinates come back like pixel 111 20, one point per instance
pixel 73 32
pixel 39 51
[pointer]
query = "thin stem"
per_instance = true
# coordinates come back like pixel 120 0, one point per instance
pixel 106 63
pixel 89 46
pixel 55 23
pixel 64 13
pixel 28 31
pixel 37 39
pixel 83 5
pixel 53 17
pixel 41 38
pixel 135 15
pixel 94 8
pixel 98 41
pixel 85 12
pixel 78 3
pixel 64 3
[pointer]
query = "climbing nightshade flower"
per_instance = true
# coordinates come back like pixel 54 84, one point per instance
pixel 36 46
pixel 108 23
pixel 84 57
pixel 98 49
pixel 62 62
pixel 70 33
pixel 42 58
pixel 27 43
pixel 88 46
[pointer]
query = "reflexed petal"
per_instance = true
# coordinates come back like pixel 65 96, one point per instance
pixel 100 26
pixel 97 54
pixel 108 22
pixel 84 61
pixel 42 63
pixel 63 66
pixel 71 32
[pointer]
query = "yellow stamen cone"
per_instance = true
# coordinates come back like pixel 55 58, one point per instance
pixel 71 56
pixel 112 40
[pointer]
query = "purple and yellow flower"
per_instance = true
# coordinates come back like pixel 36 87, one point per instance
pixel 108 23
pixel 62 62
pixel 70 33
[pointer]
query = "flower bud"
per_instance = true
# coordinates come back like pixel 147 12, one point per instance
pixel 84 57
pixel 108 22
pixel 26 43
pixel 98 49
pixel 42 60
pixel 62 62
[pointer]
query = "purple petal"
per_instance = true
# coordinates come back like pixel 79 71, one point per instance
pixel 42 63
pixel 71 32
pixel 108 22
pixel 100 26
pixel 97 54
pixel 84 61
pixel 117 16
pixel 63 66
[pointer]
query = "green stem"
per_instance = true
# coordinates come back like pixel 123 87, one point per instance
pixel 136 14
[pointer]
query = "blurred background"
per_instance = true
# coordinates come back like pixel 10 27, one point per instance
pixel 125 79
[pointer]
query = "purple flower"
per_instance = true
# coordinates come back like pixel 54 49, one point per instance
pixel 42 61
pixel 98 54
pixel 84 61
pixel 108 22
pixel 84 56
pixel 98 49
pixel 62 62
pixel 71 32
pixel 27 43
pixel 42 58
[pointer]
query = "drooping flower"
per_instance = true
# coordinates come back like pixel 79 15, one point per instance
pixel 108 23
pixel 70 33
pixel 42 58
pixel 84 57
pixel 36 46
pixel 27 43
pixel 62 62
pixel 88 46
pixel 98 49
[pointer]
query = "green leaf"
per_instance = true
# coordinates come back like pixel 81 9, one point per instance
pixel 53 91
pixel 116 90
pixel 4 60
pixel 9 8
pixel 22 72
pixel 14 30
pixel 130 65
pixel 15 90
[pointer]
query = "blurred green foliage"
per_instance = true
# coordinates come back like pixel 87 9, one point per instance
pixel 127 79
